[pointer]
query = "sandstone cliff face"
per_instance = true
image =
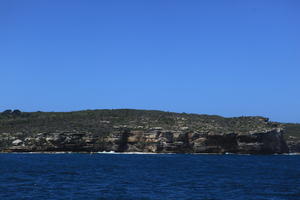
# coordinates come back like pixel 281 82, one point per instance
pixel 153 141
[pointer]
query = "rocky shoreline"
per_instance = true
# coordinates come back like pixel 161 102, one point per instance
pixel 154 141
pixel 142 153
pixel 195 134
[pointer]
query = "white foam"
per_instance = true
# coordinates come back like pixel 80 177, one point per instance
pixel 107 152
pixel 136 153
pixel 292 154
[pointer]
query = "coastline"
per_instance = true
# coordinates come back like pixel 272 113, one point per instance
pixel 146 153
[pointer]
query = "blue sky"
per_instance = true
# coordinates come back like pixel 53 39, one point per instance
pixel 229 58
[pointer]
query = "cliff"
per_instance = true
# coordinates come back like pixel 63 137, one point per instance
pixel 292 137
pixel 127 130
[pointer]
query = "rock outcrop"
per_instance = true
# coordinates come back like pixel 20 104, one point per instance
pixel 154 141
pixel 293 145
pixel 292 137
pixel 186 134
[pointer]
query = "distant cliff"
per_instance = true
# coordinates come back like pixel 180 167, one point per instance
pixel 126 130
pixel 292 137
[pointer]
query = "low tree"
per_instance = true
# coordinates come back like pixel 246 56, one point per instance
pixel 6 112
pixel 16 113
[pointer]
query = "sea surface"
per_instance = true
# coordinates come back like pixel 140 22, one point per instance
pixel 144 176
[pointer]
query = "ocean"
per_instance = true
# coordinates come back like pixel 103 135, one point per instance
pixel 149 176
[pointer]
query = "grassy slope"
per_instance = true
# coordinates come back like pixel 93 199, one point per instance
pixel 292 130
pixel 103 121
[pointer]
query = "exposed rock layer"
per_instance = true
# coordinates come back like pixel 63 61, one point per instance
pixel 156 141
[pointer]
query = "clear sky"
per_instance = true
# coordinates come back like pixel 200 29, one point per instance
pixel 229 58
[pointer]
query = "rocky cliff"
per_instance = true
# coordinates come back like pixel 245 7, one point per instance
pixel 292 137
pixel 139 131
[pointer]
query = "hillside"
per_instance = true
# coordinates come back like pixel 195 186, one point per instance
pixel 98 121
pixel 292 131
pixel 292 136
pixel 139 130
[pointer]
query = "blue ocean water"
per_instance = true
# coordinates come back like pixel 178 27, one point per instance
pixel 163 176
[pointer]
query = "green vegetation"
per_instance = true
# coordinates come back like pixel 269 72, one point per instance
pixel 103 122
pixel 292 131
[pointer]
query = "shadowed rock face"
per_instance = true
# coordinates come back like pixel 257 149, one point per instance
pixel 139 131
pixel 294 146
